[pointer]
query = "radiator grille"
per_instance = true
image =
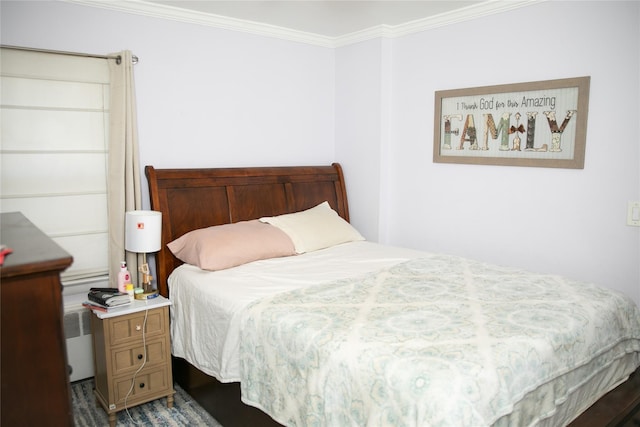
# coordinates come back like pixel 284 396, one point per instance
pixel 77 331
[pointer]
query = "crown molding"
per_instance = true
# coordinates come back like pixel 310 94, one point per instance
pixel 459 15
pixel 468 13
pixel 141 7
pixel 155 10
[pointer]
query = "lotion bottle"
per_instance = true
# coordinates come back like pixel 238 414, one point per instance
pixel 123 277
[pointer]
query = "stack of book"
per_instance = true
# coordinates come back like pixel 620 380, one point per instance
pixel 105 299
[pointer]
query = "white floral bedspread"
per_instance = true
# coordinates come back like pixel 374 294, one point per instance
pixel 436 341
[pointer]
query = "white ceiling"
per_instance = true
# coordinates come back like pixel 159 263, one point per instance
pixel 332 18
pixel 327 23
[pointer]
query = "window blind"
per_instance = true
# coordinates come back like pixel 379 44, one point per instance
pixel 53 153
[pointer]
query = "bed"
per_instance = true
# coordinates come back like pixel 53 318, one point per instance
pixel 357 333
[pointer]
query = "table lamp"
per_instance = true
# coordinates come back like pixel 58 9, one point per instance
pixel 143 234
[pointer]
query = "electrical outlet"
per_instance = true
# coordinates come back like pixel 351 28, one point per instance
pixel 633 214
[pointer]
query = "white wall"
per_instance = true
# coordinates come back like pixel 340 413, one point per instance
pixel 571 222
pixel 211 97
pixel 362 128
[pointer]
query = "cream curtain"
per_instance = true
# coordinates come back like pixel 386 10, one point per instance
pixel 123 186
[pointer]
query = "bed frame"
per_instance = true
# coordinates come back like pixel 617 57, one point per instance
pixel 195 198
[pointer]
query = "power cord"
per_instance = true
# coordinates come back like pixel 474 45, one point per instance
pixel 144 362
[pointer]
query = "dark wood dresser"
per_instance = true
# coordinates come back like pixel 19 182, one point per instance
pixel 35 378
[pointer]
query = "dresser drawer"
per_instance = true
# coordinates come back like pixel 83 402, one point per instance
pixel 128 328
pixel 128 359
pixel 148 384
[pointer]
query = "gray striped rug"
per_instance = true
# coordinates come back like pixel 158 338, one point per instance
pixel 185 411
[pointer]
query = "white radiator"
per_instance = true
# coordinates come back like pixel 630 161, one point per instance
pixel 77 330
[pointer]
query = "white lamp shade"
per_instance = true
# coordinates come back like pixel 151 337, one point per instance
pixel 143 231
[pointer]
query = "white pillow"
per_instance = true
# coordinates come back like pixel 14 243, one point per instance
pixel 316 228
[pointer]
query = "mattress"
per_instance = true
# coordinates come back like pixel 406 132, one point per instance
pixel 207 305
pixel 366 334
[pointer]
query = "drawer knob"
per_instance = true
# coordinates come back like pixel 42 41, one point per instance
pixel 141 385
pixel 140 357
pixel 138 327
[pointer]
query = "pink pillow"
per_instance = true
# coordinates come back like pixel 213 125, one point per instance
pixel 229 245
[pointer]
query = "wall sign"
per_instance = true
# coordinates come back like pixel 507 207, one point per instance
pixel 540 123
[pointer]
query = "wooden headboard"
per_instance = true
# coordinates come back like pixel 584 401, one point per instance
pixel 196 198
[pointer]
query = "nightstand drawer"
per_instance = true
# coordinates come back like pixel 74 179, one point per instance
pixel 128 328
pixel 148 383
pixel 128 359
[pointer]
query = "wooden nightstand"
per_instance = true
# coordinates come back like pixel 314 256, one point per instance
pixel 119 353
